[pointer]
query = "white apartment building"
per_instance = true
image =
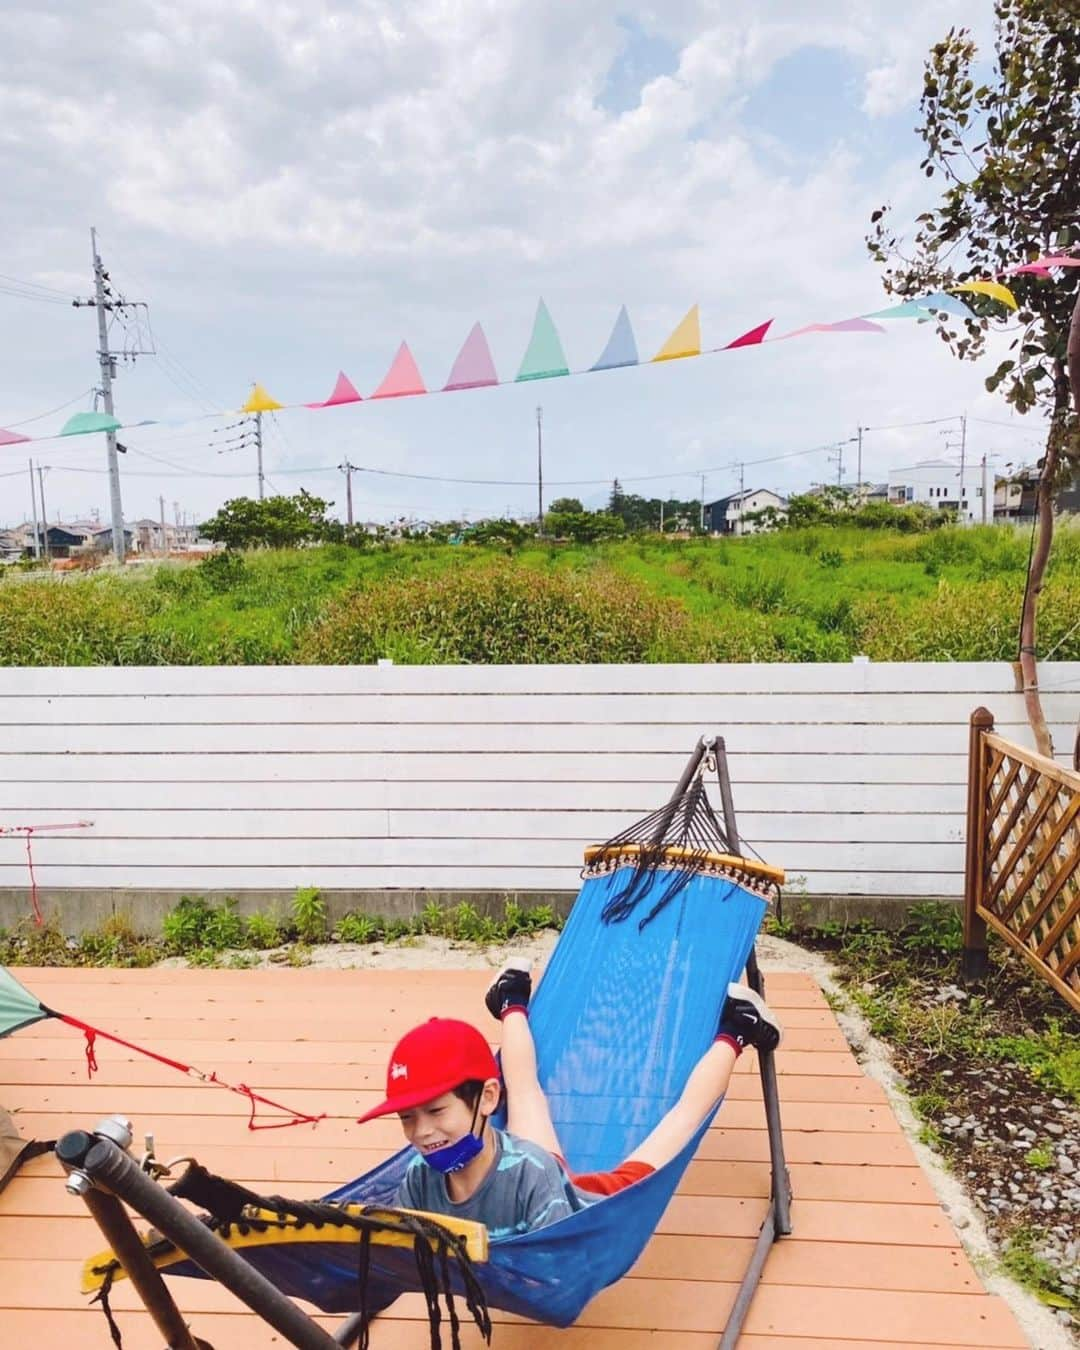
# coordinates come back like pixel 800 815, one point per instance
pixel 936 483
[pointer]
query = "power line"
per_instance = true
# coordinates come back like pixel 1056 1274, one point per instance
pixel 37 285
pixel 902 426
pixel 85 393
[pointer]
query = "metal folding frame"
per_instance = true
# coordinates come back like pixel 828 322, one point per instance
pixel 103 1173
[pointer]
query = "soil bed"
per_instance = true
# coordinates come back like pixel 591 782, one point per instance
pixel 993 1071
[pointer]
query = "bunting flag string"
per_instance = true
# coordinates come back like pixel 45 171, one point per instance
pixel 545 358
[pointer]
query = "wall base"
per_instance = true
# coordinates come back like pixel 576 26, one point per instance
pixel 79 911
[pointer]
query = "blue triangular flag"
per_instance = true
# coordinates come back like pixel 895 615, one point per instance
pixel 621 349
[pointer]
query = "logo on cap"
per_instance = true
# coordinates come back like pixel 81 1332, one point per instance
pixel 398 1070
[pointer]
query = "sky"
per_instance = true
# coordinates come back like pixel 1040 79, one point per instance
pixel 296 188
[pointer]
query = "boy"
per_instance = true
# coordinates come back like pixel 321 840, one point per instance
pixel 443 1082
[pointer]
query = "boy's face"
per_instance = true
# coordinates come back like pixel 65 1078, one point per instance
pixel 446 1119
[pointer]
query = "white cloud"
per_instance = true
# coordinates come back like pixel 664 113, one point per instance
pixel 297 186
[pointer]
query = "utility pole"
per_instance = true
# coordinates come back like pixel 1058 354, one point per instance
pixel 964 517
pixel 661 515
pixel 858 472
pixel 540 472
pixel 33 509
pixel 161 514
pixel 41 471
pixel 702 526
pixel 348 470
pixel 141 345
pixel 742 479
pixel 258 451
pixel 985 494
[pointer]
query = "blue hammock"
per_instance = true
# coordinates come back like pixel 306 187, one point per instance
pixel 622 1015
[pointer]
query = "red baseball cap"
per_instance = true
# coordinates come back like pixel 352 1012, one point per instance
pixel 433 1058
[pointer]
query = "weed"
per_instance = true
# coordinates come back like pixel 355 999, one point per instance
pixel 1041 1157
pixel 931 1136
pixel 1052 1057
pixel 263 931
pixel 930 1105
pixel 357 928
pixel 933 926
pixel 309 914
pixel 241 961
pixel 195 923
pixel 1022 1261
pixel 299 954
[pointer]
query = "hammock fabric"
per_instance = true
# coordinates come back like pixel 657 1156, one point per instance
pixel 623 1013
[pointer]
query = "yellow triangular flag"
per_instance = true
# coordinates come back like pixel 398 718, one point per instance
pixel 685 341
pixel 994 289
pixel 260 401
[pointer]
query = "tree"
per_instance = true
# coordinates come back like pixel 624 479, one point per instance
pixel 506 532
pixel 275 522
pixel 584 527
pixel 563 504
pixel 1007 148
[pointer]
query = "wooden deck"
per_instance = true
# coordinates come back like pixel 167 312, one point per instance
pixel 873 1264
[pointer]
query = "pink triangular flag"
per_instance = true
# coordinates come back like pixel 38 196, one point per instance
pixel 474 367
pixel 11 437
pixel 402 378
pixel 842 326
pixel 750 339
pixel 854 326
pixel 1043 265
pixel 344 392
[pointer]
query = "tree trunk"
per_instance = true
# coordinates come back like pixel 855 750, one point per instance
pixel 1037 570
pixel 1074 382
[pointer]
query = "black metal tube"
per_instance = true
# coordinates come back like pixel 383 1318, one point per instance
pixel 727 801
pixel 119 1232
pixel 750 1280
pixel 349 1332
pixel 123 1176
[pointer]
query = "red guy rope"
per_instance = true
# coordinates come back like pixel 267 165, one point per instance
pixel 242 1089
pixel 29 831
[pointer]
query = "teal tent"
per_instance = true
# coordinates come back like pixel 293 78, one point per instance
pixel 18 1007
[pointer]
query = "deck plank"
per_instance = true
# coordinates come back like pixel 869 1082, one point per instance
pixel 873 1264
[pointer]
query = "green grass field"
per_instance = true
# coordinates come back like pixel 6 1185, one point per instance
pixel 813 595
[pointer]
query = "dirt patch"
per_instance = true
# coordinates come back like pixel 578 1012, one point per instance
pixel 983 1081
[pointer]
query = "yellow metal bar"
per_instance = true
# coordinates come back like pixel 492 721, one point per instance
pixel 283 1232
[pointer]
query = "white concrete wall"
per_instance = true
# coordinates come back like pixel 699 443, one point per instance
pixel 850 776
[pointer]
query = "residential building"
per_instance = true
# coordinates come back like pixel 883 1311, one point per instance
pixel 858 494
pixel 728 515
pixel 936 483
pixel 155 536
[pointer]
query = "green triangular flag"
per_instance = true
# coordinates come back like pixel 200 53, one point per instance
pixel 81 423
pixel 544 358
pixel 18 1007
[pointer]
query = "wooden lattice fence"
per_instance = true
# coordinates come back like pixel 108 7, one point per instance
pixel 1023 858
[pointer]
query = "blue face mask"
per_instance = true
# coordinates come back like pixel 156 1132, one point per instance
pixel 453 1157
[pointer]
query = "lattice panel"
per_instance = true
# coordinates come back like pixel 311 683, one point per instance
pixel 1031 878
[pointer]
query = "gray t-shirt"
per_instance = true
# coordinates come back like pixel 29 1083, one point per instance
pixel 525 1189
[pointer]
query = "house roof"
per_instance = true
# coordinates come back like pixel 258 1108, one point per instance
pixel 735 497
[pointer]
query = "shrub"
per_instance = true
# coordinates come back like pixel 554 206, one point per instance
pixel 495 612
pixel 977 622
